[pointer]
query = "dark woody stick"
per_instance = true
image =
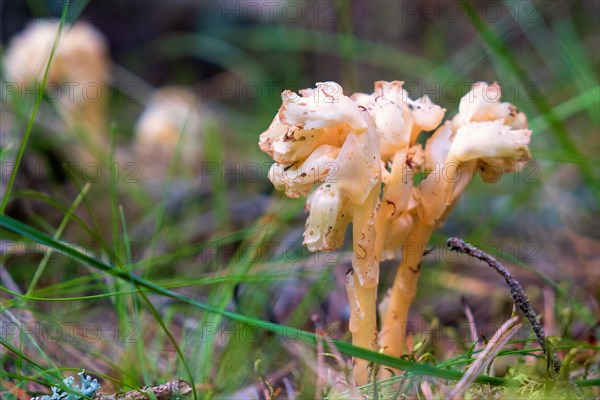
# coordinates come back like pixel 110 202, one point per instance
pixel 516 291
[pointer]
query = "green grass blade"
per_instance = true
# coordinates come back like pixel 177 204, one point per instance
pixel 299 40
pixel 503 55
pixel 214 155
pixel 284 331
pixel 560 55
pixel 587 99
pixel 162 205
pixel 158 319
pixel 38 101
pixel 134 303
pixel 63 224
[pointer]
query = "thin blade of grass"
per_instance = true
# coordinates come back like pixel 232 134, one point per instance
pixel 507 61
pixel 557 50
pixel 585 100
pixel 139 343
pixel 162 205
pixel 284 331
pixel 59 231
pixel 158 319
pixel 38 101
pixel 214 155
pixel 280 330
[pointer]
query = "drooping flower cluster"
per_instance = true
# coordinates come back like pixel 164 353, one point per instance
pixel 349 146
pixel 486 135
pixel 338 150
pixel 323 138
pixel 355 158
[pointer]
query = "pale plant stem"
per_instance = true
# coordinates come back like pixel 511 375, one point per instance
pixel 393 332
pixel 363 322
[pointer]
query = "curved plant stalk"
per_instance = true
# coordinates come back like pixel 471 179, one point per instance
pixel 403 291
pixel 363 322
pixel 362 282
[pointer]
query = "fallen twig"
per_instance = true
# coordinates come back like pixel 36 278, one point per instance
pixel 516 291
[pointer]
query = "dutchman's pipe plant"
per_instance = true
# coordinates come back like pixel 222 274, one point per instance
pixel 355 159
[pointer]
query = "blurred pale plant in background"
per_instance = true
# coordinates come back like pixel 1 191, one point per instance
pixel 77 78
pixel 171 120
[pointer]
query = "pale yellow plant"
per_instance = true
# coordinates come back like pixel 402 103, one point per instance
pixel 172 118
pixel 355 159
pixel 77 78
pixel 81 54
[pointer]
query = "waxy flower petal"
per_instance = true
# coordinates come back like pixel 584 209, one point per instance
pixel 490 140
pixel 427 114
pixel 437 147
pixel 321 107
pixel 329 216
pixel 298 181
